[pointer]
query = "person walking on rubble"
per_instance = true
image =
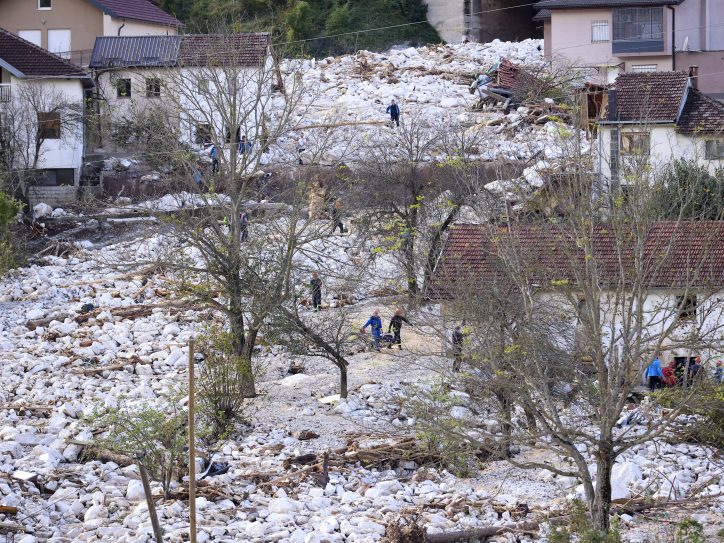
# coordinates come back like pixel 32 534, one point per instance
pixel 337 217
pixel 244 225
pixel 316 286
pixel 654 374
pixel 396 325
pixel 457 343
pixel 394 110
pixel 375 324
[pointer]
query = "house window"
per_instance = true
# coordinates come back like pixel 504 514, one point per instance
pixel 638 30
pixel 123 88
pixel 202 86
pixel 686 306
pixel 599 31
pixel 45 4
pixel 634 143
pixel 714 150
pixel 49 125
pixel 153 87
pixel 203 133
pixel 643 68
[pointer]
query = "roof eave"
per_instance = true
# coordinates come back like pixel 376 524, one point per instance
pixel 10 68
pixel 112 13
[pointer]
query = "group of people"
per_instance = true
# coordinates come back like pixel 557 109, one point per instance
pixel 395 326
pixel 677 373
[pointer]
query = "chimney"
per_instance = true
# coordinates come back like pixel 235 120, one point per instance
pixel 694 76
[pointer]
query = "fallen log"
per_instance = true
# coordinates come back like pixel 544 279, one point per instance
pixel 37 323
pixel 134 360
pixel 8 510
pixel 480 533
pixel 91 452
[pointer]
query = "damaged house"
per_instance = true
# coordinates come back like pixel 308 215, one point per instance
pixel 659 117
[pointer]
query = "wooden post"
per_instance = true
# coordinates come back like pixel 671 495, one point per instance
pixel 192 449
pixel 149 502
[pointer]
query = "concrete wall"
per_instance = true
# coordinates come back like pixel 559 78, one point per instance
pixel 53 196
pixel 80 16
pixel 129 27
pixel 547 51
pixel 665 145
pixel 486 22
pixel 571 36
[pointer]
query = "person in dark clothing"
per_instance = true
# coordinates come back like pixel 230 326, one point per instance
pixel 457 341
pixel 396 325
pixel 337 217
pixel 375 324
pixel 244 225
pixel 394 110
pixel 244 145
pixel 316 285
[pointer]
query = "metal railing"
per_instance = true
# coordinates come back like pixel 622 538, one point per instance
pixel 80 57
pixel 4 92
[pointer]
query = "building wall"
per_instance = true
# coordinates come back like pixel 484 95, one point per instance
pixel 80 16
pixel 547 52
pixel 571 36
pixel 67 151
pixel 711 68
pixel 129 27
pixel 665 145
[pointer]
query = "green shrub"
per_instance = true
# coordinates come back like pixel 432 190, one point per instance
pixel 708 402
pixel 689 531
pixel 688 190
pixel 580 529
pixel 155 437
pixel 9 208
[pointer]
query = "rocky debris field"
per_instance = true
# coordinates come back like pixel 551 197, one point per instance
pixel 59 362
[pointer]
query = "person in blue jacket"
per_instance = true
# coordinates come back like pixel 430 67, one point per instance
pixel 214 159
pixel 654 374
pixel 375 323
pixel 394 110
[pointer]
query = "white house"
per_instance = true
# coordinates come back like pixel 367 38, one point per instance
pixel 41 118
pixel 681 270
pixel 182 75
pixel 661 116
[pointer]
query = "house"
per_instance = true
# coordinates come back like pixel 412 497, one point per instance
pixel 480 21
pixel 661 116
pixel 69 27
pixel 41 118
pixel 138 74
pixel 681 272
pixel 637 36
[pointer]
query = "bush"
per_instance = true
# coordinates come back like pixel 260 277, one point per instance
pixel 689 531
pixel 581 530
pixel 9 208
pixel 707 402
pixel 687 190
pixel 222 386
pixel 154 436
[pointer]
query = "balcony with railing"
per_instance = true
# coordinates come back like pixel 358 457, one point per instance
pixel 4 92
pixel 80 57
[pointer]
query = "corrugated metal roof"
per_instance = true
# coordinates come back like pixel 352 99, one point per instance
pixel 135 51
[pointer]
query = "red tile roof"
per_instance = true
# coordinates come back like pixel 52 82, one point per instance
pixel 139 10
pixel 701 115
pixel 652 97
pixel 675 254
pixel 29 60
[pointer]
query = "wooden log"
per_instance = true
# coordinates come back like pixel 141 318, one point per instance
pixel 91 452
pixel 9 527
pixel 35 323
pixel 8 510
pixel 480 533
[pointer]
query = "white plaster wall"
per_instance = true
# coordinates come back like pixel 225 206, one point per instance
pixel 66 152
pixel 135 28
pixel 665 145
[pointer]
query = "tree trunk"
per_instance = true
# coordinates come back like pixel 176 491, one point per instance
pixel 342 381
pixel 601 506
pixel 506 415
pixel 436 245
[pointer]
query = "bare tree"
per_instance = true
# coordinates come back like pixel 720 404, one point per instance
pixel 565 312
pixel 37 113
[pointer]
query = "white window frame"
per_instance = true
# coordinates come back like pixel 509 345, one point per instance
pixel 643 68
pixel 45 9
pixel 597 28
